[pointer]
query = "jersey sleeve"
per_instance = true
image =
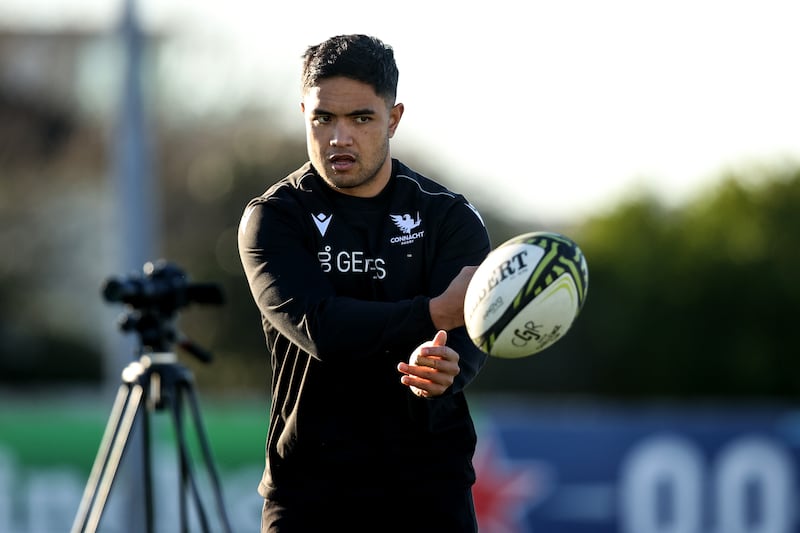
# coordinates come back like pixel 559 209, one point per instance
pixel 462 241
pixel 295 297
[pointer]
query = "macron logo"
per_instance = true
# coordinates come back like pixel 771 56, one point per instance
pixel 322 221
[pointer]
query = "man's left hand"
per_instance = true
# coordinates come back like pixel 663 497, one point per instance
pixel 431 368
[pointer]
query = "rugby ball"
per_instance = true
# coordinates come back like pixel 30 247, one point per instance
pixel 526 294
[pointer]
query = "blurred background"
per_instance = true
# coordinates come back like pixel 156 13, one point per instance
pixel 663 138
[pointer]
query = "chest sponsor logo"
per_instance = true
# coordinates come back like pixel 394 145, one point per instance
pixel 351 262
pixel 407 224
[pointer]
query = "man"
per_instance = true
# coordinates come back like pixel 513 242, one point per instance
pixel 359 267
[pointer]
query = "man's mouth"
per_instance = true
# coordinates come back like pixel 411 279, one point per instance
pixel 342 162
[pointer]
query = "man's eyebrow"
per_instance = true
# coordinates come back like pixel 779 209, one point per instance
pixel 358 112
pixel 354 113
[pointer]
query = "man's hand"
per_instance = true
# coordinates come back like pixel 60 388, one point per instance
pixel 431 368
pixel 447 309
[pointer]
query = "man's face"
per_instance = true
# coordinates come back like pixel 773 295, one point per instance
pixel 348 128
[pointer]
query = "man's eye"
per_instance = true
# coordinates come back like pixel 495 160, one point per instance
pixel 322 119
pixel 362 119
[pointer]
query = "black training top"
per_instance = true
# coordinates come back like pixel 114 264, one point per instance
pixel 343 285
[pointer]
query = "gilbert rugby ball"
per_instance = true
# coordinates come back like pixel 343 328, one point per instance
pixel 526 294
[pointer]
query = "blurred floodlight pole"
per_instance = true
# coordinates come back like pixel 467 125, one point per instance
pixel 135 199
pixel 136 209
pixel 136 196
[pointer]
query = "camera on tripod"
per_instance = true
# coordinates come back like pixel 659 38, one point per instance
pixel 155 382
pixel 164 287
pixel 153 299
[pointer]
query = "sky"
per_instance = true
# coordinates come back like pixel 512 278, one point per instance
pixel 553 110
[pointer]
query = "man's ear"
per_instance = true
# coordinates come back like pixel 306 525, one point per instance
pixel 395 114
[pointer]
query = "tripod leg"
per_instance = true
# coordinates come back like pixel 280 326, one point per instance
pixel 186 473
pixel 207 456
pixel 183 467
pixel 112 427
pixel 147 464
pixel 108 459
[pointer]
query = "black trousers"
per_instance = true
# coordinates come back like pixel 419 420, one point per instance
pixel 417 510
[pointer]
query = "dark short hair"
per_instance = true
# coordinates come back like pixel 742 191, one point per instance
pixel 358 57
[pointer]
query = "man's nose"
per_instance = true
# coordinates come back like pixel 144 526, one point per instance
pixel 342 135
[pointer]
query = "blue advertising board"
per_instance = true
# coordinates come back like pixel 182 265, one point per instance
pixel 637 470
pixel 542 468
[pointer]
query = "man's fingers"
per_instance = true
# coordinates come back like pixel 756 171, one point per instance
pixel 423 388
pixel 432 367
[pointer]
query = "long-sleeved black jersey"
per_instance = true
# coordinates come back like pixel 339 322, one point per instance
pixel 343 285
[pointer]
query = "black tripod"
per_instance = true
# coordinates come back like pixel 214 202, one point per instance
pixel 153 383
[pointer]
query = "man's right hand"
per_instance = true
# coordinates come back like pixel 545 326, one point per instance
pixel 447 309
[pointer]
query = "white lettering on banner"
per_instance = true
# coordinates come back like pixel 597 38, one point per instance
pixel 661 469
pixel 665 482
pixel 754 465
